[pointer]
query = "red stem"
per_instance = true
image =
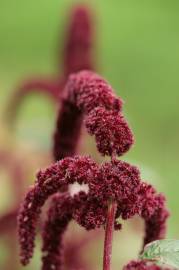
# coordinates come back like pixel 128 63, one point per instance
pixel 109 236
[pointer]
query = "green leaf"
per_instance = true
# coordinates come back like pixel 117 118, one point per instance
pixel 162 251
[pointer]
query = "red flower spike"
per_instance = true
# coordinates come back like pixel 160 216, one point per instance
pixel 88 94
pixel 59 215
pixel 142 265
pixel 78 48
pixel 48 182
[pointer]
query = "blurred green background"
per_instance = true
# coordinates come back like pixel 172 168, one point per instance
pixel 136 51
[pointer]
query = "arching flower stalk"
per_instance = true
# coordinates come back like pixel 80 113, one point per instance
pixel 77 55
pixel 115 188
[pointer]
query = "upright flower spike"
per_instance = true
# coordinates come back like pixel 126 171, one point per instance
pixel 88 96
pixel 77 55
pixel 79 42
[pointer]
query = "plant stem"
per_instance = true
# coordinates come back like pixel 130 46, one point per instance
pixel 109 235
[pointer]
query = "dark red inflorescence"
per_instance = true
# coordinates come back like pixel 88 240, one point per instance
pixel 142 265
pixel 59 216
pixel 27 219
pixel 48 182
pixel 78 47
pixel 115 180
pixel 87 95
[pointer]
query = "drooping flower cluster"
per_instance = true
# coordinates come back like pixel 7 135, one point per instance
pixel 115 181
pixel 87 96
pixel 77 55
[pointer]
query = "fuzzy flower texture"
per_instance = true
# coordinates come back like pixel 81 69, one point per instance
pixel 117 181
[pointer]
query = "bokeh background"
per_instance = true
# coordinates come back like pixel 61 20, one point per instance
pixel 137 51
